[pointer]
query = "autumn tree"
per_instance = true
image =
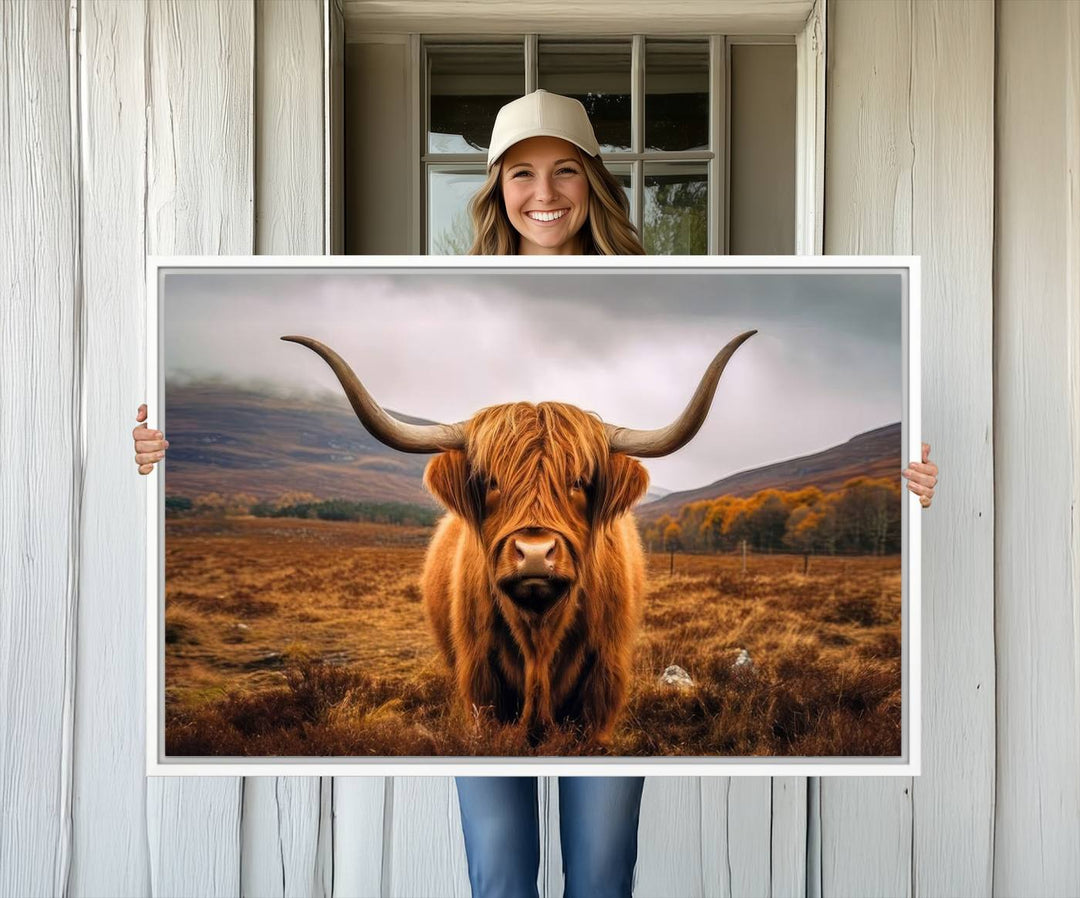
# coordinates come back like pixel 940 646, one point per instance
pixel 672 542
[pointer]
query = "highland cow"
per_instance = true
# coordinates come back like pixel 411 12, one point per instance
pixel 533 581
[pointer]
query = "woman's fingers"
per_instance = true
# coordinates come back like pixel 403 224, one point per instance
pixel 918 474
pixel 150 445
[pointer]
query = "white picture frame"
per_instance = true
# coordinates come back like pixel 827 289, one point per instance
pixel 908 763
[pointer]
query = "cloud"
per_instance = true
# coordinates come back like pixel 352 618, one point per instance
pixel 825 365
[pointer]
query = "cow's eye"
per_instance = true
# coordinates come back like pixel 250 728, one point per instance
pixel 492 484
pixel 578 484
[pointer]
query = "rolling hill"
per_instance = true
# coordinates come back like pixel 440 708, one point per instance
pixel 875 453
pixel 230 439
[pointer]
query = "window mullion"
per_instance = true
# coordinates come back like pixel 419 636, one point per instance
pixel 532 62
pixel 717 185
pixel 637 128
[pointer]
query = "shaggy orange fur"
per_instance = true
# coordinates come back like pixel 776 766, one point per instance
pixel 531 469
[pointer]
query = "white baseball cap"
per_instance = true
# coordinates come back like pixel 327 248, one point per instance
pixel 541 114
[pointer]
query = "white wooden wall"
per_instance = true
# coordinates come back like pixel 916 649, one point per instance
pixel 196 127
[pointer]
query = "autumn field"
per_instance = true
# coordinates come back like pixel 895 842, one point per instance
pixel 302 637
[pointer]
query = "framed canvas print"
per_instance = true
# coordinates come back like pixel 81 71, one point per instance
pixel 506 515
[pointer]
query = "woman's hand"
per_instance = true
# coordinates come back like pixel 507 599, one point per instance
pixel 150 445
pixel 922 477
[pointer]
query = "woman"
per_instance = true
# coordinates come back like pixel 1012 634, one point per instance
pixel 547 193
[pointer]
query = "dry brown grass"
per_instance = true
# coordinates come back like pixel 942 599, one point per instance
pixel 307 638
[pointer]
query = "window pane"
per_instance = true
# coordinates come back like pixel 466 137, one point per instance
pixel 597 74
pixel 676 208
pixel 449 191
pixel 466 86
pixel 676 95
pixel 623 175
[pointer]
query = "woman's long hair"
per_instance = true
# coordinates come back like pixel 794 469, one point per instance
pixel 607 231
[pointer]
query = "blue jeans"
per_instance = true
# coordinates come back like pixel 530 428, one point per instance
pixel 598 822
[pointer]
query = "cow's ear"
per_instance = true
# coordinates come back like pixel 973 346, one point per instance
pixel 619 487
pixel 447 479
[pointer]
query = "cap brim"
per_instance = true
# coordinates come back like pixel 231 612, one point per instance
pixel 496 152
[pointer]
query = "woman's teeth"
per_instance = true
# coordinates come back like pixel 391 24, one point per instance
pixel 546 216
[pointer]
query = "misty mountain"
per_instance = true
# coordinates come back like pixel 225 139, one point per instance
pixel 875 453
pixel 229 438
pixel 234 439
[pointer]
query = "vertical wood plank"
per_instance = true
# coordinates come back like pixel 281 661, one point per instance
pixel 869 158
pixel 788 845
pixel 426 846
pixel 361 815
pixel 110 854
pixel 670 838
pixel 193 830
pixel 199 200
pixel 280 836
pixel 40 447
pixel 952 83
pixel 736 835
pixel 282 815
pixel 1037 814
pixel 909 170
pixel 289 128
pixel 551 873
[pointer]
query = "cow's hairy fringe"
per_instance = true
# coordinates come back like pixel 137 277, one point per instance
pixel 512 444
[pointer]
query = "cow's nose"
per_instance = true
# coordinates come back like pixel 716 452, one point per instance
pixel 535 557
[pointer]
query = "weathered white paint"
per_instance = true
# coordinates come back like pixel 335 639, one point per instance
pixel 669 838
pixel 1036 838
pixel 362 806
pixel 289 201
pixel 199 198
pixel 952 129
pixel 109 830
pixel 910 168
pixel 557 17
pixel 909 152
pixel 282 830
pixel 41 452
pixel 868 159
pixel 789 848
pixel 425 849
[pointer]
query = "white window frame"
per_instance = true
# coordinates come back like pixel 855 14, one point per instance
pixel 809 42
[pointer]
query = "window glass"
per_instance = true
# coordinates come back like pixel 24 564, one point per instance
pixel 449 191
pixel 676 208
pixel 676 95
pixel 467 84
pixel 597 74
pixel 623 175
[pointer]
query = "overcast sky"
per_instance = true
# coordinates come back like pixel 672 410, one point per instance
pixel 825 364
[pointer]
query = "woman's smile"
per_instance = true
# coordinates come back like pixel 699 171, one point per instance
pixel 549 216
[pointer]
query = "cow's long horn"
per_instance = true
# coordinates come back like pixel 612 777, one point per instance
pixel 386 429
pixel 665 440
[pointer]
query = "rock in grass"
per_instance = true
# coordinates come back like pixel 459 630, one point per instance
pixel 743 666
pixel 674 675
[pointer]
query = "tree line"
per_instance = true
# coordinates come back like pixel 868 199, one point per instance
pixel 301 505
pixel 860 518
